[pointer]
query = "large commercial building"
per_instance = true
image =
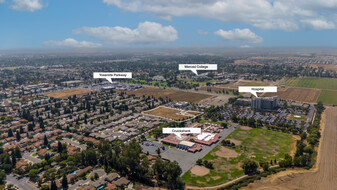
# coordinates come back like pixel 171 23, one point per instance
pixel 265 103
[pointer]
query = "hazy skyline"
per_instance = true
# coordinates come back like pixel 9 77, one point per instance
pixel 40 24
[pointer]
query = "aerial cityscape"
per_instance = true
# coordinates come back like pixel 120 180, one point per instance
pixel 150 95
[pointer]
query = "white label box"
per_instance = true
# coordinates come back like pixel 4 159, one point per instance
pixel 255 89
pixel 179 131
pixel 112 75
pixel 195 67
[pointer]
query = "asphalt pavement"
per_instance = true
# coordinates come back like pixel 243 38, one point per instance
pixel 22 183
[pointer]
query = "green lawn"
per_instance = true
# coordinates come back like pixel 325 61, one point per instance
pixel 257 144
pixel 297 117
pixel 320 83
pixel 328 97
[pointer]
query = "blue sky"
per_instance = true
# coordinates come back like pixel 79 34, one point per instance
pixel 38 24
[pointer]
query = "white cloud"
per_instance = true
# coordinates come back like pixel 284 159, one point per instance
pixel 72 43
pixel 245 46
pixel 27 5
pixel 239 35
pixel 145 33
pixel 265 14
pixel 2 1
pixel 318 24
pixel 202 32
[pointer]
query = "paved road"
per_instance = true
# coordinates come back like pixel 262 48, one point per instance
pixel 101 173
pixel 22 183
pixel 28 156
pixel 187 160
pixel 74 143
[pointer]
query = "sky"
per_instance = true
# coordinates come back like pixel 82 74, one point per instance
pixel 99 24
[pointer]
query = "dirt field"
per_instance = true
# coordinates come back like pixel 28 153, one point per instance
pixel 296 94
pixel 170 113
pixel 226 153
pixel 68 92
pixel 245 128
pixel 236 142
pixel 199 170
pixel 324 177
pixel 171 94
pixel 246 62
pixel 215 100
pixel 325 67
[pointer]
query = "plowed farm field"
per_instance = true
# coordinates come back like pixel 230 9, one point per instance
pixel 296 94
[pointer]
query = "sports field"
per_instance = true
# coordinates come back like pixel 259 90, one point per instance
pixel 257 144
pixel 320 83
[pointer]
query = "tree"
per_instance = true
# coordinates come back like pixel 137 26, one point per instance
pixel 265 166
pixel 64 181
pixel 13 160
pixel 158 151
pixel 199 162
pixel 18 137
pixel 2 177
pixel 59 147
pixel 45 140
pixel 249 166
pixel 17 152
pixel 53 185
pixel 96 176
pixel 33 174
pixel 10 133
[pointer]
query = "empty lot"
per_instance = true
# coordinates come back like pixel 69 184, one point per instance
pixel 68 92
pixel 176 95
pixel 173 114
pixel 324 177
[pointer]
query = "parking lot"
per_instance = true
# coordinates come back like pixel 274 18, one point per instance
pixel 152 147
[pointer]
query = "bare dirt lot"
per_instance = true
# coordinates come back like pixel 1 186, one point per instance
pixel 323 177
pixel 236 142
pixel 325 67
pixel 215 100
pixel 296 94
pixel 226 153
pixel 170 113
pixel 176 95
pixel 68 92
pixel 199 170
pixel 245 128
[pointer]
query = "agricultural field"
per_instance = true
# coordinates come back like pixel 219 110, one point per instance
pixel 328 97
pixel 296 94
pixel 68 92
pixel 171 113
pixel 257 144
pixel 170 94
pixel 319 83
